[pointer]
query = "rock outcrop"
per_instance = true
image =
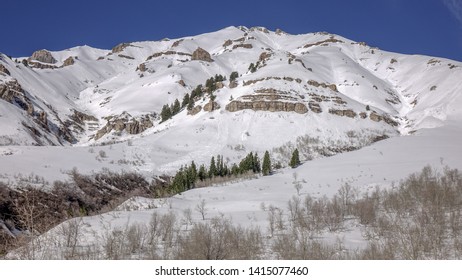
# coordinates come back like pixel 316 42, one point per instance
pixel 201 54
pixel 3 70
pixel 81 118
pixel 227 43
pixel 271 106
pixel 315 107
pixel 324 42
pixel 377 118
pixel 323 85
pixel 120 47
pixel 245 46
pixel 347 113
pixel 43 56
pixel 68 61
pixel 210 106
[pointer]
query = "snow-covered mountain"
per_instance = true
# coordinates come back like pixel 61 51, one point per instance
pixel 383 115
pixel 290 89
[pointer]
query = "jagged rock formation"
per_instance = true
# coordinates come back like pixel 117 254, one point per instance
pixel 125 122
pixel 201 54
pixel 81 118
pixel 13 93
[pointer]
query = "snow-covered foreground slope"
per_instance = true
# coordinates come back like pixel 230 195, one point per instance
pixel 247 202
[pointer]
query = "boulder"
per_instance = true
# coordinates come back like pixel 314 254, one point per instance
pixel 201 54
pixel 210 106
pixel 181 83
pixel 195 110
pixel 142 67
pixel 375 117
pixel 233 84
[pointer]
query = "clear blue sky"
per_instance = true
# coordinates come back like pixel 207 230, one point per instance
pixel 431 27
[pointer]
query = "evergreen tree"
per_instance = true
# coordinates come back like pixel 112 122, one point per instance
pixel 166 113
pixel 202 174
pixel 295 160
pixel 219 171
pixel 185 101
pixel 234 75
pixel 253 67
pixel 191 104
pixel 192 174
pixel 256 164
pixel 196 92
pixel 212 168
pixel 234 169
pixel 266 167
pixel 176 107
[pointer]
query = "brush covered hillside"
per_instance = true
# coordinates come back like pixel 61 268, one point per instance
pixel 356 114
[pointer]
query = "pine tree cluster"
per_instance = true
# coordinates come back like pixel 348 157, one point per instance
pixel 187 177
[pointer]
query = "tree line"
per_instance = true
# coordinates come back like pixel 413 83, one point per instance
pixel 188 176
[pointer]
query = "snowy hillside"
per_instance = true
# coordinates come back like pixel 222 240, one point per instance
pixel 357 114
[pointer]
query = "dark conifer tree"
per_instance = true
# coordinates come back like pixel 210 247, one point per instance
pixel 191 104
pixel 185 101
pixel 202 174
pixel 266 167
pixel 176 107
pixel 166 113
pixel 295 160
pixel 212 168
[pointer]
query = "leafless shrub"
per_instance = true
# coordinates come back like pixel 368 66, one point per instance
pixel 220 240
pixel 201 208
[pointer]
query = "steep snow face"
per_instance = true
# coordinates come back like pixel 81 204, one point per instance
pixel 310 88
